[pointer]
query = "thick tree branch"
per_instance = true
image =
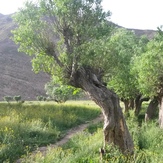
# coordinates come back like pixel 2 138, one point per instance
pixel 50 50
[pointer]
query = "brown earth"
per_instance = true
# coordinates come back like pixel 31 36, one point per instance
pixel 16 76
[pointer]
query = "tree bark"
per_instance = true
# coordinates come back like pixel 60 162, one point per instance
pixel 138 103
pixel 115 128
pixel 161 113
pixel 150 113
pixel 132 104
pixel 126 104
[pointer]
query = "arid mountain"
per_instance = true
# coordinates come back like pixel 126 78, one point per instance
pixel 139 32
pixel 16 76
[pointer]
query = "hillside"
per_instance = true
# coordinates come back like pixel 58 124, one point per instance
pixel 148 33
pixel 16 76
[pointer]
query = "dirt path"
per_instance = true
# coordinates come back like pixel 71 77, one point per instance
pixel 67 137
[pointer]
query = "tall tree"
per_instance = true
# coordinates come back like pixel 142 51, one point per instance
pixel 69 39
pixel 123 46
pixel 150 75
pixel 140 97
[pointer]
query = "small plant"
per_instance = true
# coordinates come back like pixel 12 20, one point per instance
pixel 17 98
pixel 8 98
pixel 61 93
pixel 40 98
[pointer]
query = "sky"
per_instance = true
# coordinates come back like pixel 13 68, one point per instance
pixel 138 14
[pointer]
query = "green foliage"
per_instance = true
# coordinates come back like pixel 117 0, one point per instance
pixel 92 128
pixel 21 129
pixel 123 46
pixel 41 98
pixel 61 93
pixel 59 33
pixel 148 67
pixel 8 98
pixel 25 127
pixel 150 137
pixel 84 147
pixel 17 98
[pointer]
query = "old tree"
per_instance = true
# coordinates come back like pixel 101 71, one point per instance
pixel 70 40
pixel 150 75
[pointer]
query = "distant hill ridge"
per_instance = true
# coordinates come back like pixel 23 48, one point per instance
pixel 16 76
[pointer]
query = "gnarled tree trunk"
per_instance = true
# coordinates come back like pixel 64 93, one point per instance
pixel 115 128
pixel 138 103
pixel 150 113
pixel 126 104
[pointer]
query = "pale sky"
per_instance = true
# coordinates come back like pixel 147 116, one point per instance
pixel 139 14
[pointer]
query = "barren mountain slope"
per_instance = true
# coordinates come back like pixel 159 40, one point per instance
pixel 139 32
pixel 16 76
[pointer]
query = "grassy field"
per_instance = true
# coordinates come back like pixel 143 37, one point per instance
pixel 24 127
pixel 84 147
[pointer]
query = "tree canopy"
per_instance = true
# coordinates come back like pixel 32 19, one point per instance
pixel 149 68
pixel 70 40
pixel 62 35
pixel 123 47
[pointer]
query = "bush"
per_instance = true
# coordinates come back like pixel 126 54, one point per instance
pixel 8 98
pixel 61 93
pixel 17 98
pixel 41 98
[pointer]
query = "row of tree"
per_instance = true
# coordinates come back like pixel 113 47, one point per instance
pixel 138 76
pixel 74 42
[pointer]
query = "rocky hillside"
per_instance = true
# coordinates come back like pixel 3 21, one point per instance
pixel 139 32
pixel 16 76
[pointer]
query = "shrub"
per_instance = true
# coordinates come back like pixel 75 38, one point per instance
pixel 61 93
pixel 17 98
pixel 8 98
pixel 39 98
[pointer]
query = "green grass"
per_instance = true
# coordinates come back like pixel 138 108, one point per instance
pixel 84 147
pixel 25 127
